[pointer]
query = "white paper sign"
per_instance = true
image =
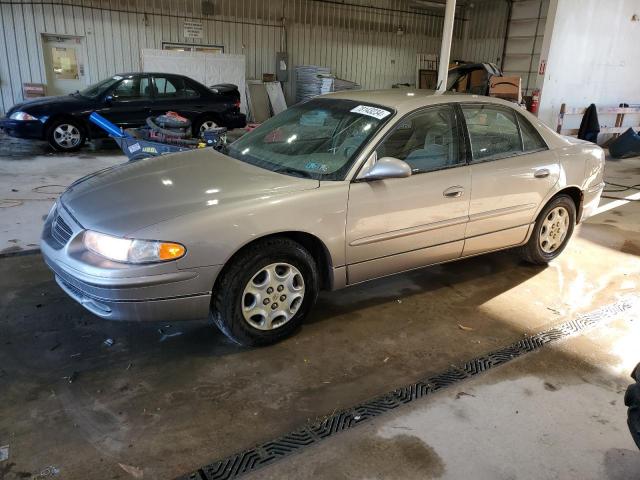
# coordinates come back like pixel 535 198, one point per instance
pixel 371 111
pixel 134 148
pixel 192 29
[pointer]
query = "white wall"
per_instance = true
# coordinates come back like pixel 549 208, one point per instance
pixel 592 48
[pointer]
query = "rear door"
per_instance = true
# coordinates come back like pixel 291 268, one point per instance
pixel 512 172
pixel 128 103
pixel 403 223
pixel 173 93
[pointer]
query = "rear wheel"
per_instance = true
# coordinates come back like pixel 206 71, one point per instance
pixel 66 135
pixel 265 293
pixel 551 232
pixel 204 125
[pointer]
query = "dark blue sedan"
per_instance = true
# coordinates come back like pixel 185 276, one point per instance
pixel 127 100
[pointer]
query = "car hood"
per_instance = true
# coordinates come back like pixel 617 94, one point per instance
pixel 43 104
pixel 123 199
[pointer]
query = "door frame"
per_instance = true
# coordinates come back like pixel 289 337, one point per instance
pixel 83 48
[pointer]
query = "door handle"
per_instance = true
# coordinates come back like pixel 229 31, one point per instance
pixel 453 192
pixel 542 173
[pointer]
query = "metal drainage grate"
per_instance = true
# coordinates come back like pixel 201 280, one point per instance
pixel 241 463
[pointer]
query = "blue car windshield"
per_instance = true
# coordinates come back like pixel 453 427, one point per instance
pixel 96 89
pixel 318 139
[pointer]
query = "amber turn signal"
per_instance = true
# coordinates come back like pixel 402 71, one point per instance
pixel 170 251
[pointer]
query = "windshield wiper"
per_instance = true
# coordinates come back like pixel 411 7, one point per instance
pixel 294 172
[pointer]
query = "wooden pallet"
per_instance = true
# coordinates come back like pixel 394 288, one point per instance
pixel 617 129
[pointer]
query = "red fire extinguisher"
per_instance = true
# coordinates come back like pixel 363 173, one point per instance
pixel 535 101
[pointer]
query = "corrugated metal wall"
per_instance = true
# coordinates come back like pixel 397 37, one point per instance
pixel 357 39
pixel 525 34
pixel 483 40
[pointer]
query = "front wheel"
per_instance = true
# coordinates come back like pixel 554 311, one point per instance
pixel 265 293
pixel 551 232
pixel 65 136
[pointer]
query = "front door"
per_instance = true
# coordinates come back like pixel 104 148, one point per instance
pixel 128 104
pixel 64 64
pixel 512 174
pixel 398 224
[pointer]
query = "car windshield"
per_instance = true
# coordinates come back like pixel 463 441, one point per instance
pixel 97 88
pixel 318 139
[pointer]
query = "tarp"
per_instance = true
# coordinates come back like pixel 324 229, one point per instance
pixel 206 68
pixel 626 145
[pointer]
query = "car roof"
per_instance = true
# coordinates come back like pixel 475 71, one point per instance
pixel 406 99
pixel 127 74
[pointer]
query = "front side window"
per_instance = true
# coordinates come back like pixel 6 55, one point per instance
pixel 427 140
pixel 493 132
pixel 132 88
pixel 318 139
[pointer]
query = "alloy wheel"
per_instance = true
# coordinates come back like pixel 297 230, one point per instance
pixel 67 136
pixel 207 125
pixel 272 296
pixel 554 229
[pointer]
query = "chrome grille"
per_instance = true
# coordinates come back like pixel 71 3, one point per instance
pixel 60 231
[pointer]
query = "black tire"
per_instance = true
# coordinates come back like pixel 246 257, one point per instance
pixel 178 133
pixel 632 400
pixel 195 128
pixel 532 251
pixel 227 298
pixel 59 141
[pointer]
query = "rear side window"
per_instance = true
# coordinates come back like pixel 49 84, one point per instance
pixel 174 87
pixel 531 139
pixel 493 132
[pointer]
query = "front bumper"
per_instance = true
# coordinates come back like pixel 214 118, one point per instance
pixel 33 129
pixel 158 292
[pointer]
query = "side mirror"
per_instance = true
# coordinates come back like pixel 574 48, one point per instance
pixel 386 167
pixel 108 99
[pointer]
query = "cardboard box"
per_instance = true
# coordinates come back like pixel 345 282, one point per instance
pixel 506 87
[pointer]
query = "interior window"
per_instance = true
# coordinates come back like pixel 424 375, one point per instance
pixel 493 132
pixel 133 88
pixel 427 140
pixel 174 88
pixel 531 139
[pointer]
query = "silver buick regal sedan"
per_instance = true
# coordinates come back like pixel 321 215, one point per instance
pixel 330 193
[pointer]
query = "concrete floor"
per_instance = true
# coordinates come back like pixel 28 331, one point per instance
pixel 32 176
pixel 167 399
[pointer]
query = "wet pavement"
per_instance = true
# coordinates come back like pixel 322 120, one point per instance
pixel 163 400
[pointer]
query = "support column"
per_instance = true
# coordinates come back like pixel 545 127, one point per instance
pixel 445 50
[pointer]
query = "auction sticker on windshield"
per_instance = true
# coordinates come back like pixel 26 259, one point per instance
pixel 374 112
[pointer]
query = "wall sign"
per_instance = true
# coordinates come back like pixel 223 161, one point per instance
pixel 543 67
pixel 192 29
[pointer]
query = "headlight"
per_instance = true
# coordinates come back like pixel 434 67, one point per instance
pixel 132 251
pixel 22 116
